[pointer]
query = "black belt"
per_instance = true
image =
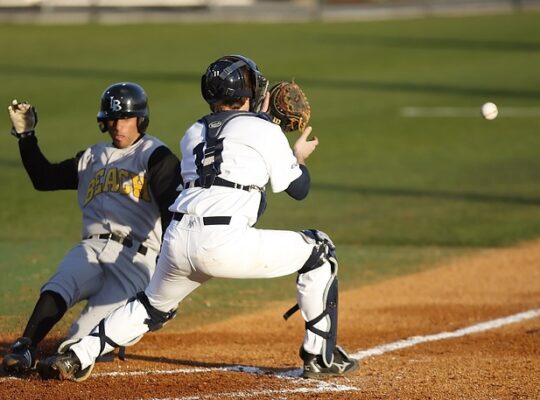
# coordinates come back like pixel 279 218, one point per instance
pixel 223 182
pixel 218 220
pixel 123 240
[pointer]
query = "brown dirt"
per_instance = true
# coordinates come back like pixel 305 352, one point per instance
pixel 500 363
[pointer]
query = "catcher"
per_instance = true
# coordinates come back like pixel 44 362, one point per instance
pixel 229 156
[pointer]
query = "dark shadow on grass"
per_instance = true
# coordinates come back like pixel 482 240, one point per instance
pixel 190 77
pixel 432 43
pixel 45 71
pixel 429 194
pixel 458 44
pixel 411 87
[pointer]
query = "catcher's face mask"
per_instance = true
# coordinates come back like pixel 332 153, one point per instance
pixel 260 90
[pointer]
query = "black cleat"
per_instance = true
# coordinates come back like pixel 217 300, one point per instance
pixel 21 357
pixel 315 368
pixel 60 366
pixel 64 365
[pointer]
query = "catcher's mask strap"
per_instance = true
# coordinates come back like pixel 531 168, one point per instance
pixel 231 68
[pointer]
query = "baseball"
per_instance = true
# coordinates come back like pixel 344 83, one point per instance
pixel 489 111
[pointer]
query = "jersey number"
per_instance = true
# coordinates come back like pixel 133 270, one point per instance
pixel 208 162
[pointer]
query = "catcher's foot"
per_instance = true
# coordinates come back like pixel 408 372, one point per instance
pixel 21 357
pixel 64 365
pixel 314 367
pixel 60 366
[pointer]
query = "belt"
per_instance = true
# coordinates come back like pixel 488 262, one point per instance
pixel 218 220
pixel 123 240
pixel 223 182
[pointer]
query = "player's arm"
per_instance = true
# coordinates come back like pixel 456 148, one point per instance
pixel 44 174
pixel 299 188
pixel 164 179
pixel 302 149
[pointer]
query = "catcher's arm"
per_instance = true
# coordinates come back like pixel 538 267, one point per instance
pixel 289 108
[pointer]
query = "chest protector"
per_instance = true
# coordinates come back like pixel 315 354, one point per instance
pixel 210 167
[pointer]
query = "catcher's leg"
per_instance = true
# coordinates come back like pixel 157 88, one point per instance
pixel 168 286
pixel 123 327
pixel 317 280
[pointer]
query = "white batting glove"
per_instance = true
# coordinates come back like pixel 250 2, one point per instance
pixel 23 118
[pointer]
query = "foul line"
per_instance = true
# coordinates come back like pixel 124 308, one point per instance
pixel 413 341
pixel 463 112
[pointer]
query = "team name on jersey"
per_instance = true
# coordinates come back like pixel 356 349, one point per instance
pixel 119 181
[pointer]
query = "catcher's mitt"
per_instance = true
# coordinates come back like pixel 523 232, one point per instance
pixel 289 106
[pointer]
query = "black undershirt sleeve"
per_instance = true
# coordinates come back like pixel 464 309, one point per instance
pixel 299 188
pixel 44 174
pixel 164 179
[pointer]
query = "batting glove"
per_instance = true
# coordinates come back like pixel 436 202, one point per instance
pixel 23 118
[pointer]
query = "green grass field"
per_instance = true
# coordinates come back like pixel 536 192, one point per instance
pixel 397 194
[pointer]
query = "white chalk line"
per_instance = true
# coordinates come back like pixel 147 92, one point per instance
pixel 466 112
pixel 414 340
pixel 320 387
pixel 375 351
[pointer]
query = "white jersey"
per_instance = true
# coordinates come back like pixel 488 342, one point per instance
pixel 255 151
pixel 114 194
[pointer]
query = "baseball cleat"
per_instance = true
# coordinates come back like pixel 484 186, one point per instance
pixel 60 366
pixel 314 367
pixel 64 365
pixel 21 357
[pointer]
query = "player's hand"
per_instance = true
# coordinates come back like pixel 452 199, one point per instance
pixel 303 147
pixel 23 117
pixel 266 103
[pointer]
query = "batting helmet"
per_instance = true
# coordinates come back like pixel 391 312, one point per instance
pixel 124 100
pixel 231 78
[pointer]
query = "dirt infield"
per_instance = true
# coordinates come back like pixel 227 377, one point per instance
pixel 255 356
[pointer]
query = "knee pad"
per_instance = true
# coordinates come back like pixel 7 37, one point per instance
pixel 157 318
pixel 323 250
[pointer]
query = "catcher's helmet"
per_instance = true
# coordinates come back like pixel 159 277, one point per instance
pixel 124 100
pixel 231 78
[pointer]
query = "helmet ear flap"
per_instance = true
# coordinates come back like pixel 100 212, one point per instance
pixel 142 124
pixel 102 124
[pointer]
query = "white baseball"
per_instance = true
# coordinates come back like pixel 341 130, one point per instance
pixel 489 111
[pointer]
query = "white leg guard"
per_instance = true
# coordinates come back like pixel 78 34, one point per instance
pixel 310 294
pixel 121 328
pixel 318 297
